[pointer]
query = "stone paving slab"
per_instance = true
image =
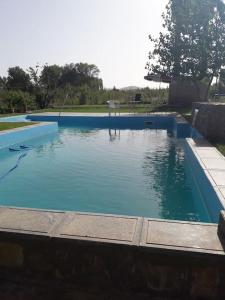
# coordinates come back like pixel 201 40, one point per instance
pixel 124 230
pixel 120 229
pixel 218 176
pixel 208 152
pixel 199 143
pixel 195 236
pixel 214 163
pixel 27 220
pixel 222 190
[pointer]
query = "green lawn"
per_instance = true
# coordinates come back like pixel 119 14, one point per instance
pixel 143 108
pixel 96 109
pixel 221 148
pixel 11 125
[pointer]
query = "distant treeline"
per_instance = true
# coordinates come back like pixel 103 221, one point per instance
pixel 48 86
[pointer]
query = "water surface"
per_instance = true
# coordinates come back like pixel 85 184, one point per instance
pixel 127 172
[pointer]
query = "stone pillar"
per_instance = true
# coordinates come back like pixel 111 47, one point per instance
pixel 210 120
pixel 184 92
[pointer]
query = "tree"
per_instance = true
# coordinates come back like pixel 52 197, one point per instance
pixel 80 74
pixel 18 79
pixel 50 76
pixel 18 101
pixel 45 81
pixel 69 75
pixel 86 70
pixel 192 45
pixel 49 80
pixel 220 84
pixel 3 83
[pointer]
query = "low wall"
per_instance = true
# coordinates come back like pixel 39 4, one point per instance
pixel 99 256
pixel 210 120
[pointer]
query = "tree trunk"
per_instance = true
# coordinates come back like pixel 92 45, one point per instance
pixel 197 88
pixel 207 89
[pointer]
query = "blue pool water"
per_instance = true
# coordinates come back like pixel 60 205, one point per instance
pixel 19 118
pixel 127 172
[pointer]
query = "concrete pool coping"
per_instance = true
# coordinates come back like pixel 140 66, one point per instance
pixel 178 117
pixel 192 238
pixel 106 114
pixel 212 163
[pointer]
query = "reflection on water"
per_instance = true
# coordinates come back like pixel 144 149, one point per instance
pixel 177 196
pixel 114 134
pixel 130 172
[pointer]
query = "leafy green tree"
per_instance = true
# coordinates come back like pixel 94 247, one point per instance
pixel 3 83
pixel 50 76
pixel 49 81
pixel 17 101
pixel 45 81
pixel 37 89
pixel 80 74
pixel 18 79
pixel 192 45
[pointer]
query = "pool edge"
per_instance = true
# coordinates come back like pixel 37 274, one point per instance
pixel 209 178
pixel 20 134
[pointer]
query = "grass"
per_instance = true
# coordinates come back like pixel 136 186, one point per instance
pixel 220 147
pixel 96 109
pixel 143 108
pixel 11 125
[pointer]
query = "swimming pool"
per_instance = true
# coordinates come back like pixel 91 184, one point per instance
pixel 141 172
pixel 19 118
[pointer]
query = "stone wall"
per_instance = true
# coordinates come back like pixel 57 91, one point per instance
pixel 107 272
pixel 184 93
pixel 210 120
pixel 62 255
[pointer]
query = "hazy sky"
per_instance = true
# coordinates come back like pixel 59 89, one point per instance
pixel 113 34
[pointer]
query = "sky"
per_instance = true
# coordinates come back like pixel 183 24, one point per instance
pixel 113 34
